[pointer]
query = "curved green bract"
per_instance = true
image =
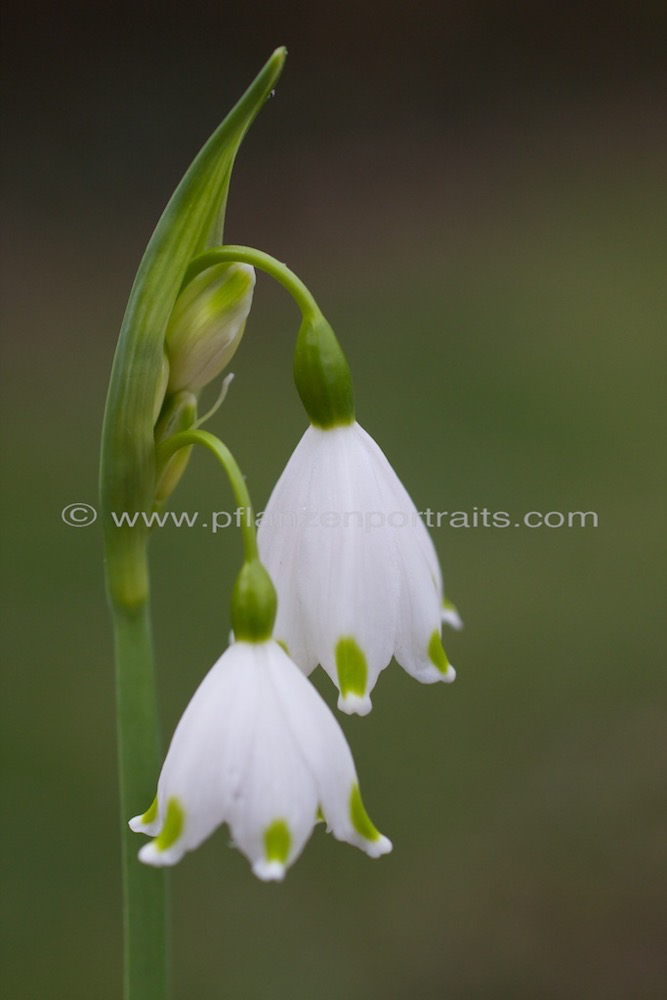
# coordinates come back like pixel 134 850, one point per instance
pixel 192 221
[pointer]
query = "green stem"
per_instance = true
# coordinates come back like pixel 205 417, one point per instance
pixel 187 438
pixel 192 220
pixel 264 262
pixel 145 896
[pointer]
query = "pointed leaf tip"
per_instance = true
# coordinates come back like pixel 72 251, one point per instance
pixel 279 55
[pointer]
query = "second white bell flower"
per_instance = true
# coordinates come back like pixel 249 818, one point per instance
pixel 356 571
pixel 259 749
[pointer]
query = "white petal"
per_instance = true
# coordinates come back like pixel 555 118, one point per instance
pixel 278 788
pixel 279 542
pixel 419 609
pixel 258 748
pixel 151 854
pixel 355 566
pixel 451 616
pixel 334 569
pixel 140 824
pixel 204 765
pixel 419 614
pixel 354 704
pixel 325 753
pixel 402 503
pixel 269 871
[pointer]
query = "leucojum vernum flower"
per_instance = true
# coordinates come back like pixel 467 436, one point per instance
pixel 257 748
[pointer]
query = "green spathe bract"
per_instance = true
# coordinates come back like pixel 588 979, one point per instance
pixel 192 221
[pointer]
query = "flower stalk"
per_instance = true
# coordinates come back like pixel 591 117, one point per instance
pixel 192 221
pixel 263 262
pixel 321 372
pixel 213 444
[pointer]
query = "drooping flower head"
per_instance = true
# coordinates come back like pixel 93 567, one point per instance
pixel 357 574
pixel 256 748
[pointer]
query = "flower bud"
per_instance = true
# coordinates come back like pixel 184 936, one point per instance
pixel 206 325
pixel 179 414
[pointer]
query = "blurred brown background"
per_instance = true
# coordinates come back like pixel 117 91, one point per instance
pixel 475 193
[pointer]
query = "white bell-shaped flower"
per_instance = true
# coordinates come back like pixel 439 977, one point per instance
pixel 355 569
pixel 257 748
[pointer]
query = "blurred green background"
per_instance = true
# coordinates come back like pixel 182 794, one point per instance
pixel 475 193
